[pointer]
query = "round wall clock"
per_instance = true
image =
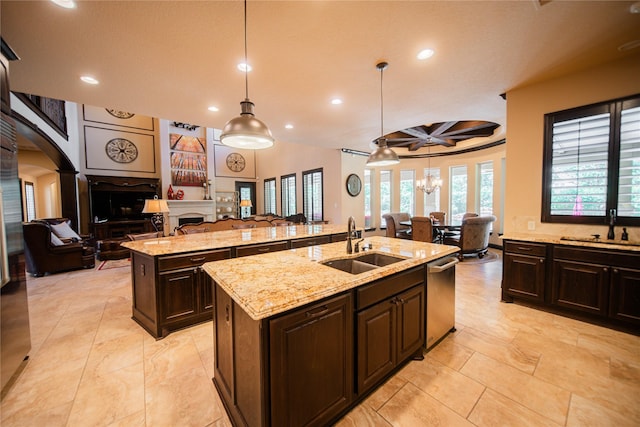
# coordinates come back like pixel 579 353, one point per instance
pixel 121 150
pixel 236 162
pixel 354 185
pixel 120 114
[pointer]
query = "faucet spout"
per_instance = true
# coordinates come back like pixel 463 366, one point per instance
pixel 351 229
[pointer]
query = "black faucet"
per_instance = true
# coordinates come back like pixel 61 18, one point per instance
pixel 351 230
pixel 612 221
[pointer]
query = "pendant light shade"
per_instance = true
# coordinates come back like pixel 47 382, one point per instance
pixel 246 131
pixel 383 155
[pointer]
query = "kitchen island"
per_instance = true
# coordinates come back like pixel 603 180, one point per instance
pixel 171 291
pixel 298 342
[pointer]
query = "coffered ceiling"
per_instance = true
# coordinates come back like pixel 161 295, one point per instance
pixel 174 59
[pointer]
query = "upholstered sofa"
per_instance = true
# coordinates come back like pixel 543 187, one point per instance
pixel 227 224
pixel 394 228
pixel 48 252
pixel 474 236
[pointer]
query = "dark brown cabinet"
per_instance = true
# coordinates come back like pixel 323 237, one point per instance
pixel 595 284
pixel 172 291
pixel 524 268
pixel 311 365
pixel 261 248
pixel 392 329
pixel 310 241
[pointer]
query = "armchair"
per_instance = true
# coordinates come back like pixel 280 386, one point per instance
pixel 422 229
pixel 43 256
pixel 474 236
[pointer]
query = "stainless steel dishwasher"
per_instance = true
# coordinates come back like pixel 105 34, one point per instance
pixel 441 298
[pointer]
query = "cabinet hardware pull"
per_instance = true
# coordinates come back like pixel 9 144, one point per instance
pixel 263 249
pixel 615 271
pixel 605 269
pixel 541 261
pixel 226 312
pixel 197 259
pixel 523 248
pixel 317 311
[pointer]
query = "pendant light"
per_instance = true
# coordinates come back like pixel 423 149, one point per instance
pixel 383 155
pixel 429 183
pixel 246 131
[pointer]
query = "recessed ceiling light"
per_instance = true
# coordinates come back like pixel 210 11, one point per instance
pixel 213 108
pixel 425 54
pixel 336 101
pixel 288 126
pixel 67 4
pixel 89 79
pixel 244 67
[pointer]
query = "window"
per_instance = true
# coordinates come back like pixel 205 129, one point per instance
pixel 270 196
pixel 288 194
pixel 30 200
pixel 592 164
pixel 432 201
pixel 385 195
pixel 458 193
pixel 366 184
pixel 485 188
pixel 407 191
pixel 312 195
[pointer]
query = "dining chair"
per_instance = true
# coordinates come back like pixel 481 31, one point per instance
pixel 422 229
pixel 474 236
pixel 394 229
pixel 438 216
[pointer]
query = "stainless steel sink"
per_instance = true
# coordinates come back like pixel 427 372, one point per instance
pixel 350 265
pixel 362 263
pixel 378 259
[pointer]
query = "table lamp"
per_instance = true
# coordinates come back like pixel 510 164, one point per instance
pixel 157 207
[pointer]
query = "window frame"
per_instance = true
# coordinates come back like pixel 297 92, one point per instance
pixel 284 194
pixel 614 108
pixel 305 208
pixel 270 181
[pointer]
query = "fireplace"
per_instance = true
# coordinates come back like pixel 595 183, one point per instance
pixel 186 211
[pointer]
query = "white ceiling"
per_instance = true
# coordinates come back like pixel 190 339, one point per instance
pixel 173 59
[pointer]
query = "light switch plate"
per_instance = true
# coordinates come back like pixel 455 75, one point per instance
pixel 531 225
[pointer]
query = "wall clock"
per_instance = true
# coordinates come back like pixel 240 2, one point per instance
pixel 119 114
pixel 121 150
pixel 236 162
pixel 354 185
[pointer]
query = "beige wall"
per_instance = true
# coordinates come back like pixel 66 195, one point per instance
pixel 525 126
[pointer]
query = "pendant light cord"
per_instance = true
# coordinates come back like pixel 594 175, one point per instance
pixel 246 64
pixel 381 105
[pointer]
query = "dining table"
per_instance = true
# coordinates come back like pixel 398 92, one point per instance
pixel 440 229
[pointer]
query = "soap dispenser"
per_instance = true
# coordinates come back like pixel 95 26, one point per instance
pixel 625 236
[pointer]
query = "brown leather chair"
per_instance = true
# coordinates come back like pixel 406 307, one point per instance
pixel 474 236
pixel 394 228
pixel 42 256
pixel 422 229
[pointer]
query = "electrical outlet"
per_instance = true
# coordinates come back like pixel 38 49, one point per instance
pixel 531 225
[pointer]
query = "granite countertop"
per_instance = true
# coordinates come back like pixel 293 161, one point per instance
pixel 588 241
pixel 272 283
pixel 229 238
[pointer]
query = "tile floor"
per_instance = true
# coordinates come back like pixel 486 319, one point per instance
pixel 507 365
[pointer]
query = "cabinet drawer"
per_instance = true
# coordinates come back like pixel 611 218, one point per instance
pixel 525 248
pixel 310 241
pixel 340 237
pixel 385 288
pixel 261 249
pixel 597 256
pixel 194 259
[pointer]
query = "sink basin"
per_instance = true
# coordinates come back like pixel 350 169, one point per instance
pixel 362 263
pixel 378 259
pixel 350 265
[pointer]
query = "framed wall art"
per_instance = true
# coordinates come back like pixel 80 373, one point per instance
pixel 188 156
pixel 108 149
pixel 234 163
pixel 116 117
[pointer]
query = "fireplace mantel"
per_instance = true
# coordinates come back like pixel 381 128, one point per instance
pixel 190 208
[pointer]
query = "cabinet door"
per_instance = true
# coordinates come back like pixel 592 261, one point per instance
pixel 224 377
pixel 580 286
pixel 311 362
pixel 411 322
pixel 524 276
pixel 625 295
pixel 178 295
pixel 377 342
pixel 205 283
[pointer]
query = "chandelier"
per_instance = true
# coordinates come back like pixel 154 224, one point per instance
pixel 429 183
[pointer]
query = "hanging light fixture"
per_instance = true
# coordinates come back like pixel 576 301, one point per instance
pixel 383 155
pixel 429 183
pixel 246 131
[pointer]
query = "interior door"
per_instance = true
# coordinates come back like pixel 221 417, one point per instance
pixel 247 191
